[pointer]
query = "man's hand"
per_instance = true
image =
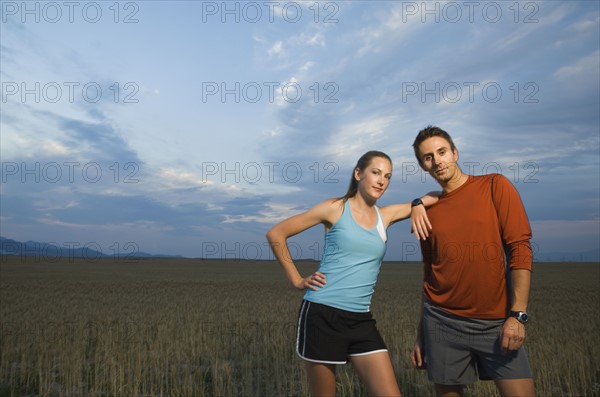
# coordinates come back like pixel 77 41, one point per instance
pixel 417 355
pixel 420 224
pixel 513 335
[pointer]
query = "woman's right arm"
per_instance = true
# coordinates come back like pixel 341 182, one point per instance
pixel 278 235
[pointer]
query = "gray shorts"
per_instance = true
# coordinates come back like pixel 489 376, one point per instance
pixel 458 350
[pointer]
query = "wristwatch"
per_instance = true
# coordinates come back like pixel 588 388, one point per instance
pixel 416 202
pixel 522 317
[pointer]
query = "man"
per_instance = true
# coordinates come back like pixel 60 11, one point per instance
pixel 474 306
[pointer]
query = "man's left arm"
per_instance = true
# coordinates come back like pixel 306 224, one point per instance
pixel 516 233
pixel 513 332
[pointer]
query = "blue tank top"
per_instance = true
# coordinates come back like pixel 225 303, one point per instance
pixel 351 261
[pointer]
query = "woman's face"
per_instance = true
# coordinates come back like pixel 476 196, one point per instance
pixel 375 178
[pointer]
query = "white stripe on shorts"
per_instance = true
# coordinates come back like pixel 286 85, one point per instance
pixel 302 321
pixel 367 353
pixel 300 350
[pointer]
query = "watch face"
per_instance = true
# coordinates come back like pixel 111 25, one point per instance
pixel 523 317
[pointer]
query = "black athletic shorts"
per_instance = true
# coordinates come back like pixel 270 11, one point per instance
pixel 329 335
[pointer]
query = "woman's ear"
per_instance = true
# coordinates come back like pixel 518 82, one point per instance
pixel 357 174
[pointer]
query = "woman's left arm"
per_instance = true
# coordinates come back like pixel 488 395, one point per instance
pixel 418 216
pixel 420 223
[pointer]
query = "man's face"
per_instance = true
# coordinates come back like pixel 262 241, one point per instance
pixel 438 159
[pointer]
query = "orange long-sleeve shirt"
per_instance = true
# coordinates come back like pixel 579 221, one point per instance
pixel 464 256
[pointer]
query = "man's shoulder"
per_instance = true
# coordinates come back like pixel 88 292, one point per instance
pixel 491 178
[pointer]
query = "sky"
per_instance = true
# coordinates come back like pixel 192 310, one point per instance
pixel 192 127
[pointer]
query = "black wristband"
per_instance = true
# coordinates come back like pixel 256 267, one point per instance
pixel 416 202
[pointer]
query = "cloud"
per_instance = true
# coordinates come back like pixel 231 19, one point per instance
pixel 587 25
pixel 54 148
pixel 533 27
pixel 182 179
pixel 306 66
pixel 308 38
pixel 316 40
pixel 271 214
pixel 276 49
pixel 584 69
pixel 390 30
pixel 353 139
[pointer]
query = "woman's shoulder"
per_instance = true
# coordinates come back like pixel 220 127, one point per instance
pixel 330 210
pixel 333 205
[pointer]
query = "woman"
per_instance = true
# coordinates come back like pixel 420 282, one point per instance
pixel 335 323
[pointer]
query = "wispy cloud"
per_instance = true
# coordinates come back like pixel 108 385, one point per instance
pixel 276 49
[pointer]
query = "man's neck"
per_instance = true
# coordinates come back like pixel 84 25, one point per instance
pixel 457 181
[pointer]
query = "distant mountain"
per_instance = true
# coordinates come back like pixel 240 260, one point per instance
pixel 583 256
pixel 56 251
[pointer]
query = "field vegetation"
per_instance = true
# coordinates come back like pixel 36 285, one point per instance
pixel 159 327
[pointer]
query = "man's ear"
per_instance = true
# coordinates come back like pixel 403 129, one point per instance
pixel 455 154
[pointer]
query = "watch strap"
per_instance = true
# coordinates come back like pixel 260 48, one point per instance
pixel 416 202
pixel 521 317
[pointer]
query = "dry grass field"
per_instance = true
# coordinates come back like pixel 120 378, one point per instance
pixel 208 328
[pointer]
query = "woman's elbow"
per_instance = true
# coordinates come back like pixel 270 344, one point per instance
pixel 271 235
